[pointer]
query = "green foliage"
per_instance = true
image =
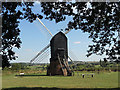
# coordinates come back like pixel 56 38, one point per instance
pixel 11 17
pixel 100 20
pixel 103 64
pixel 18 66
pixel 79 67
pixel 96 67
pixel 38 67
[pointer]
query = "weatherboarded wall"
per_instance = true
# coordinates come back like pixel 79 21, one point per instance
pixel 58 46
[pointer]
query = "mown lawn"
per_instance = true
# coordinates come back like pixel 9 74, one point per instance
pixel 101 80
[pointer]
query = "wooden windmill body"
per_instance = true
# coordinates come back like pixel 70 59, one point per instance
pixel 59 54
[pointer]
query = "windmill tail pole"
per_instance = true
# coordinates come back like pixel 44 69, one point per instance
pixel 44 26
pixel 71 60
pixel 40 53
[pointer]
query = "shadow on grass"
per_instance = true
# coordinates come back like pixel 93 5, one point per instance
pixel 54 88
pixel 29 75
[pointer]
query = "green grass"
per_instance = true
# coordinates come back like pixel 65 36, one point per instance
pixel 101 80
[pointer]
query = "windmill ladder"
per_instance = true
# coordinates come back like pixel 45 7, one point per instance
pixel 67 66
pixel 60 63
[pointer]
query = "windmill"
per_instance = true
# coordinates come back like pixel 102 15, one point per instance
pixel 59 54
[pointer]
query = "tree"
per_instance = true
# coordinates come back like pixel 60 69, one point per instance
pixel 100 19
pixel 10 32
pixel 100 62
pixel 103 64
pixel 16 66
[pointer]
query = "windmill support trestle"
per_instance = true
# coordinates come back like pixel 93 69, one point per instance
pixel 59 56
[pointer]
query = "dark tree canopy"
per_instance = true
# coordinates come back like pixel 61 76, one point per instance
pixel 101 20
pixel 10 32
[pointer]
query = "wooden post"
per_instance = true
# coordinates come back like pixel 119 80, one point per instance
pixel 83 75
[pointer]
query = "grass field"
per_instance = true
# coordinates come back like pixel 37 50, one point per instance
pixel 101 80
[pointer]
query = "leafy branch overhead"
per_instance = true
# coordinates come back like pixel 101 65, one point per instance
pixel 100 19
pixel 11 17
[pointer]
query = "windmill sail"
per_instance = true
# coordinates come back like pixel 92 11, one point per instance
pixel 44 49
pixel 45 27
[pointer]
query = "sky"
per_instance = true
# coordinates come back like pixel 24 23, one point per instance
pixel 34 38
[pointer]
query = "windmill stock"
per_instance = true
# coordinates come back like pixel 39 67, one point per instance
pixel 59 54
pixel 48 44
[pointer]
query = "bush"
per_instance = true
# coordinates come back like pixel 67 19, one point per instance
pixel 18 66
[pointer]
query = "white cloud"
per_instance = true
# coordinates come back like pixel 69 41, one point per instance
pixel 78 42
pixel 28 50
